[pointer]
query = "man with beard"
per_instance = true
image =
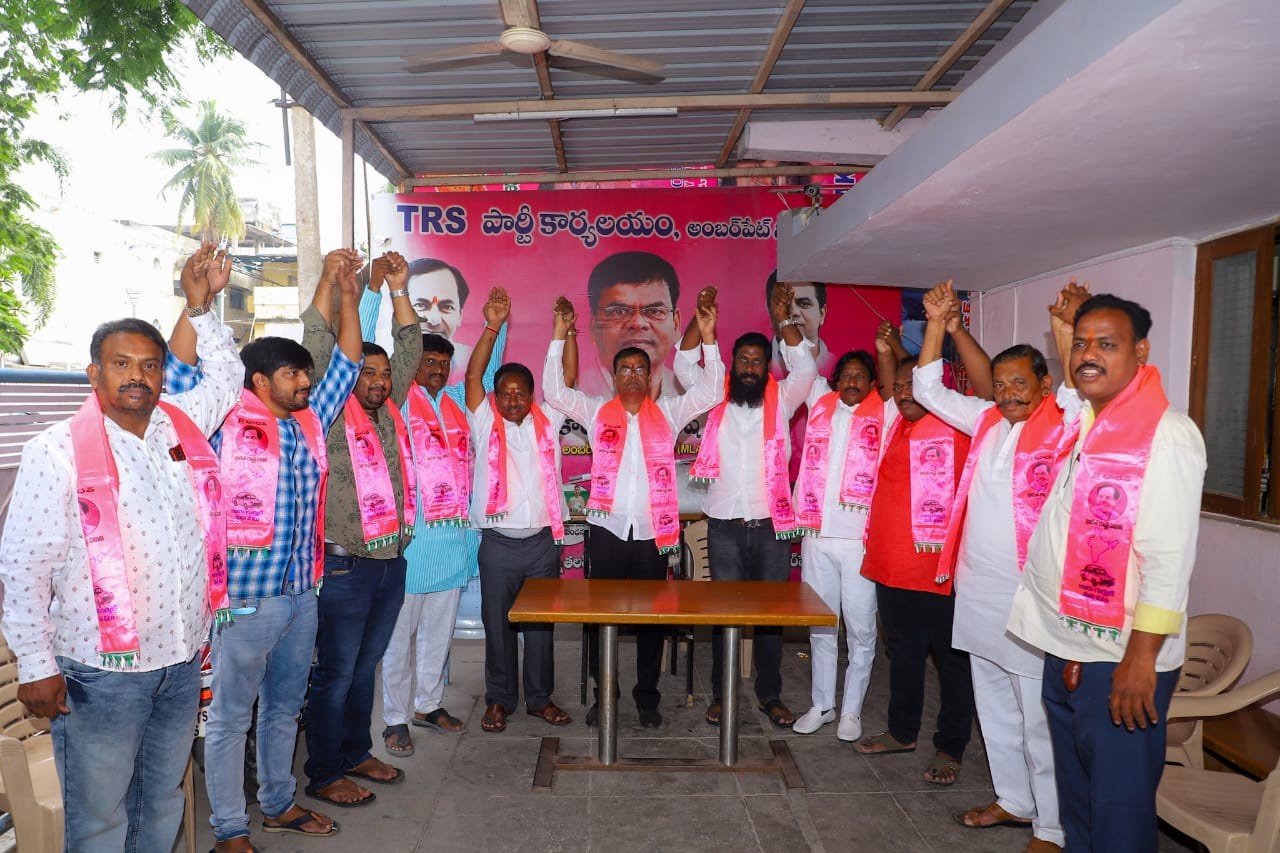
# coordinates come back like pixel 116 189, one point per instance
pixel 837 478
pixel 368 523
pixel 997 505
pixel 110 564
pixel 520 509
pixel 908 523
pixel 1105 597
pixel 274 537
pixel 743 462
pixel 635 518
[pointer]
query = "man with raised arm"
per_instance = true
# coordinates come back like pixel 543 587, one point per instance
pixel 746 448
pixel 275 518
pixel 368 522
pixel 906 527
pixel 998 502
pixel 519 508
pixel 1104 588
pixel 441 557
pixel 633 508
pixel 113 568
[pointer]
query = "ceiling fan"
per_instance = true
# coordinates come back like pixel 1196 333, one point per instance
pixel 523 36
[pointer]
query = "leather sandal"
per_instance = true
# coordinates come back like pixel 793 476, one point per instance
pixel 549 713
pixel 494 719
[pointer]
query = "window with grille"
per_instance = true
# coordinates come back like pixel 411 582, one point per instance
pixel 1233 372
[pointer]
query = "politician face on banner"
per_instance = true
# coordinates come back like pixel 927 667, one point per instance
pixel 633 298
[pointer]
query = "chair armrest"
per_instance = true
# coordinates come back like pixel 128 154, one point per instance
pixel 1184 707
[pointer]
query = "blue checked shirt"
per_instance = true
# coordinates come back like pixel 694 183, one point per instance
pixel 445 557
pixel 288 565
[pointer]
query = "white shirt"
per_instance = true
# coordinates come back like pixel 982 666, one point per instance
pixel 740 491
pixel 1161 558
pixel 838 522
pixel 49 608
pixel 526 502
pixel 630 515
pixel 987 562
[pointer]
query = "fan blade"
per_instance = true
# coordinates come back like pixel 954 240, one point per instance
pixel 600 56
pixel 520 13
pixel 423 61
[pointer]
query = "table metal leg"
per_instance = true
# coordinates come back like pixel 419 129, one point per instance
pixel 608 685
pixel 729 697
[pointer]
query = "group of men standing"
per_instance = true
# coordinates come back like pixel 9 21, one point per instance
pixel 331 499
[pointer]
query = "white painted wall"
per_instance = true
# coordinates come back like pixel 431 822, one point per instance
pixel 1237 564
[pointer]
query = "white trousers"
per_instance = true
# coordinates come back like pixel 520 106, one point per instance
pixel 833 568
pixel 430 616
pixel 1016 733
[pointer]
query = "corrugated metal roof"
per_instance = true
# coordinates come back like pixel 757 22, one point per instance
pixel 708 47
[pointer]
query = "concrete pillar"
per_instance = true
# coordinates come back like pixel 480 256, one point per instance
pixel 306 196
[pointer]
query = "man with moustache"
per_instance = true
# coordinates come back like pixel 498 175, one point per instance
pixel 368 523
pixel 1105 598
pixel 274 537
pixel 905 532
pixel 635 519
pixel 633 299
pixel 743 459
pixel 998 502
pixel 440 558
pixel 841 461
pixel 519 508
pixel 109 565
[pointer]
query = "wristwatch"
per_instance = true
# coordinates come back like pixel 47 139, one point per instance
pixel 396 294
pixel 197 310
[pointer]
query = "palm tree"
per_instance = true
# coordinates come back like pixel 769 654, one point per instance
pixel 210 151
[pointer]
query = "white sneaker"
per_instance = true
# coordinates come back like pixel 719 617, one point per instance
pixel 850 728
pixel 812 720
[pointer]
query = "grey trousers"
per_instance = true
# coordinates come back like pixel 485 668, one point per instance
pixel 504 565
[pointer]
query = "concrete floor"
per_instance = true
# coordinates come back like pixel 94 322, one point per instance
pixel 473 791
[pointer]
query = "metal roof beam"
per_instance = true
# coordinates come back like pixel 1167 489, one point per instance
pixel 774 101
pixel 633 175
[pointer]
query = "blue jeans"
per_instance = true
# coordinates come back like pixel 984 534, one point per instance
pixel 1107 775
pixel 143 721
pixel 264 655
pixel 359 602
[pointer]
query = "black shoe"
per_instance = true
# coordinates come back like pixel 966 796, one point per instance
pixel 650 718
pixel 593 716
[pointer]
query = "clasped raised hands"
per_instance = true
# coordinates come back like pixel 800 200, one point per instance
pixel 565 318
pixel 1063 310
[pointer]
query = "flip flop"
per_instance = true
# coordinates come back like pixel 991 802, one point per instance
pixel 549 713
pixel 942 763
pixel 367 777
pixel 998 817
pixel 314 793
pixel 494 719
pixel 294 826
pixel 713 714
pixel 397 741
pixel 881 744
pixel 440 720
pixel 780 715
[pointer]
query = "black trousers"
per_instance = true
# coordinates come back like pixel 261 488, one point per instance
pixel 504 565
pixel 915 624
pixel 611 558
pixel 740 553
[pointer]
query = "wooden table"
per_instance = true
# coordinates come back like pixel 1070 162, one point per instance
pixel 610 603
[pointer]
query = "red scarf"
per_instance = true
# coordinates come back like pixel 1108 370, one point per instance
pixel 706 468
pixel 1043 445
pixel 498 502
pixel 375 493
pixel 1104 505
pixel 857 470
pixel 250 459
pixel 657 446
pixel 442 457
pixel 98 493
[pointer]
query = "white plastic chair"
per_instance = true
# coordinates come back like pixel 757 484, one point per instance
pixel 1226 812
pixel 1218 650
pixel 29 788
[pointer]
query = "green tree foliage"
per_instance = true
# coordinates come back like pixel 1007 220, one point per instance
pixel 211 149
pixel 122 48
